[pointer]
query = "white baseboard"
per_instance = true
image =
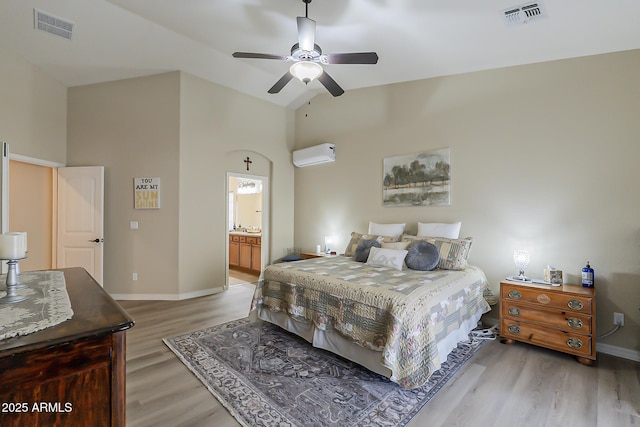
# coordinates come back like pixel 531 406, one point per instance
pixel 614 350
pixel 165 297
pixel 609 349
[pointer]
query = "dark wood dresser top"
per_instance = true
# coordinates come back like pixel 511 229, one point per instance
pixel 94 313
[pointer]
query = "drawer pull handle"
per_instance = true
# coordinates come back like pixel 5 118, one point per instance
pixel 575 304
pixel 574 343
pixel 514 311
pixel 513 294
pixel 514 329
pixel 574 323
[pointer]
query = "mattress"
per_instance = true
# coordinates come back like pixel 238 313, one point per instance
pixel 400 323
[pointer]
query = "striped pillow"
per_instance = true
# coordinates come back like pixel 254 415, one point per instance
pixel 356 237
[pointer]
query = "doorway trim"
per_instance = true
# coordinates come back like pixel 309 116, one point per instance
pixel 266 210
pixel 34 161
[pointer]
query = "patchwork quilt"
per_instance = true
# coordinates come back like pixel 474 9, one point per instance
pixel 400 313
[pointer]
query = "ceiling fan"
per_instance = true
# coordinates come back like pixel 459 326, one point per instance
pixel 307 58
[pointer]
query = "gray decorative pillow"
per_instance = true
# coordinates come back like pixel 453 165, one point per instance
pixel 453 252
pixel 362 251
pixel 423 256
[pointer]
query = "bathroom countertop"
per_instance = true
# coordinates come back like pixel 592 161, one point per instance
pixel 244 233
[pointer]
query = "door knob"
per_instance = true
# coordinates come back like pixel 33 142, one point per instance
pixel 96 240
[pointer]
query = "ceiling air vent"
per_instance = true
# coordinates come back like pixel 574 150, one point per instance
pixel 525 13
pixel 48 23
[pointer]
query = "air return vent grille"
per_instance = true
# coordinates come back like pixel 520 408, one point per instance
pixel 525 13
pixel 48 23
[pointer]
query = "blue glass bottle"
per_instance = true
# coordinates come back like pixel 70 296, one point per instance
pixel 587 276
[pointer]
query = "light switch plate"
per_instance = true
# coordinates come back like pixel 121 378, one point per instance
pixel 133 225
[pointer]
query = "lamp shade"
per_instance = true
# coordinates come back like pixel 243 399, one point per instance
pixel 328 243
pixel 521 258
pixel 306 71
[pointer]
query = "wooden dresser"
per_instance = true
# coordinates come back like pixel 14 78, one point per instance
pixel 73 373
pixel 561 318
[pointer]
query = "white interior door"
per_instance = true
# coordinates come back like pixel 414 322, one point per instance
pixel 80 219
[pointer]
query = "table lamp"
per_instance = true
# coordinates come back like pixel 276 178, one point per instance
pixel 521 258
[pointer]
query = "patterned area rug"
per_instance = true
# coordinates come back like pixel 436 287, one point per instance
pixel 266 376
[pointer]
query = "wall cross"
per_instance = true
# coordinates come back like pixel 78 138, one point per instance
pixel 248 162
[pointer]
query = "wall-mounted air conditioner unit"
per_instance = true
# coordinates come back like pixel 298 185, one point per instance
pixel 315 155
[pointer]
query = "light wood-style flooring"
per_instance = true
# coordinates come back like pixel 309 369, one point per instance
pixel 239 277
pixel 516 385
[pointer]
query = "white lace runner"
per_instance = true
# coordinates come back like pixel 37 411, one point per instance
pixel 48 304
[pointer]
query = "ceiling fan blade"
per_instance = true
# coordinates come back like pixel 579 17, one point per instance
pixel 352 58
pixel 306 33
pixel 331 85
pixel 281 83
pixel 258 56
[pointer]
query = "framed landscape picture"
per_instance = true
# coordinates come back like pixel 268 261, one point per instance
pixel 422 179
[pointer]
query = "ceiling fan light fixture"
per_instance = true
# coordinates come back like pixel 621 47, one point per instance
pixel 306 71
pixel 307 58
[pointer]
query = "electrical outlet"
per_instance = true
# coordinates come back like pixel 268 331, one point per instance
pixel 134 276
pixel 618 319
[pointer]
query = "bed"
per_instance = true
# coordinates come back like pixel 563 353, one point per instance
pixel 400 323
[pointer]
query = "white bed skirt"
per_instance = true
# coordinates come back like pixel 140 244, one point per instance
pixel 334 342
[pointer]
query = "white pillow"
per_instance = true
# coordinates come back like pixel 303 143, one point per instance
pixel 391 258
pixel 439 229
pixel 391 230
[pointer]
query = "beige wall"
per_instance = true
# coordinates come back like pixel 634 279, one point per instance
pixel 33 121
pixel 30 210
pixel 544 157
pixel 219 128
pixel 33 110
pixel 189 133
pixel 132 128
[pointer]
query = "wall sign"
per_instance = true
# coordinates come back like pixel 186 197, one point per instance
pixel 146 193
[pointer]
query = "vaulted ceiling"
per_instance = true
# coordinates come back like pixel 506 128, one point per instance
pixel 415 39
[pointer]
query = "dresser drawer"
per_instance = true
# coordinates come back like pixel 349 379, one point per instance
pixel 543 297
pixel 567 342
pixel 560 318
pixel 564 320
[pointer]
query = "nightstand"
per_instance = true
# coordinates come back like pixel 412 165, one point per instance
pixel 561 318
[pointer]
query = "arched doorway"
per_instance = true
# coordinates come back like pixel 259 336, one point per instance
pixel 247 201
